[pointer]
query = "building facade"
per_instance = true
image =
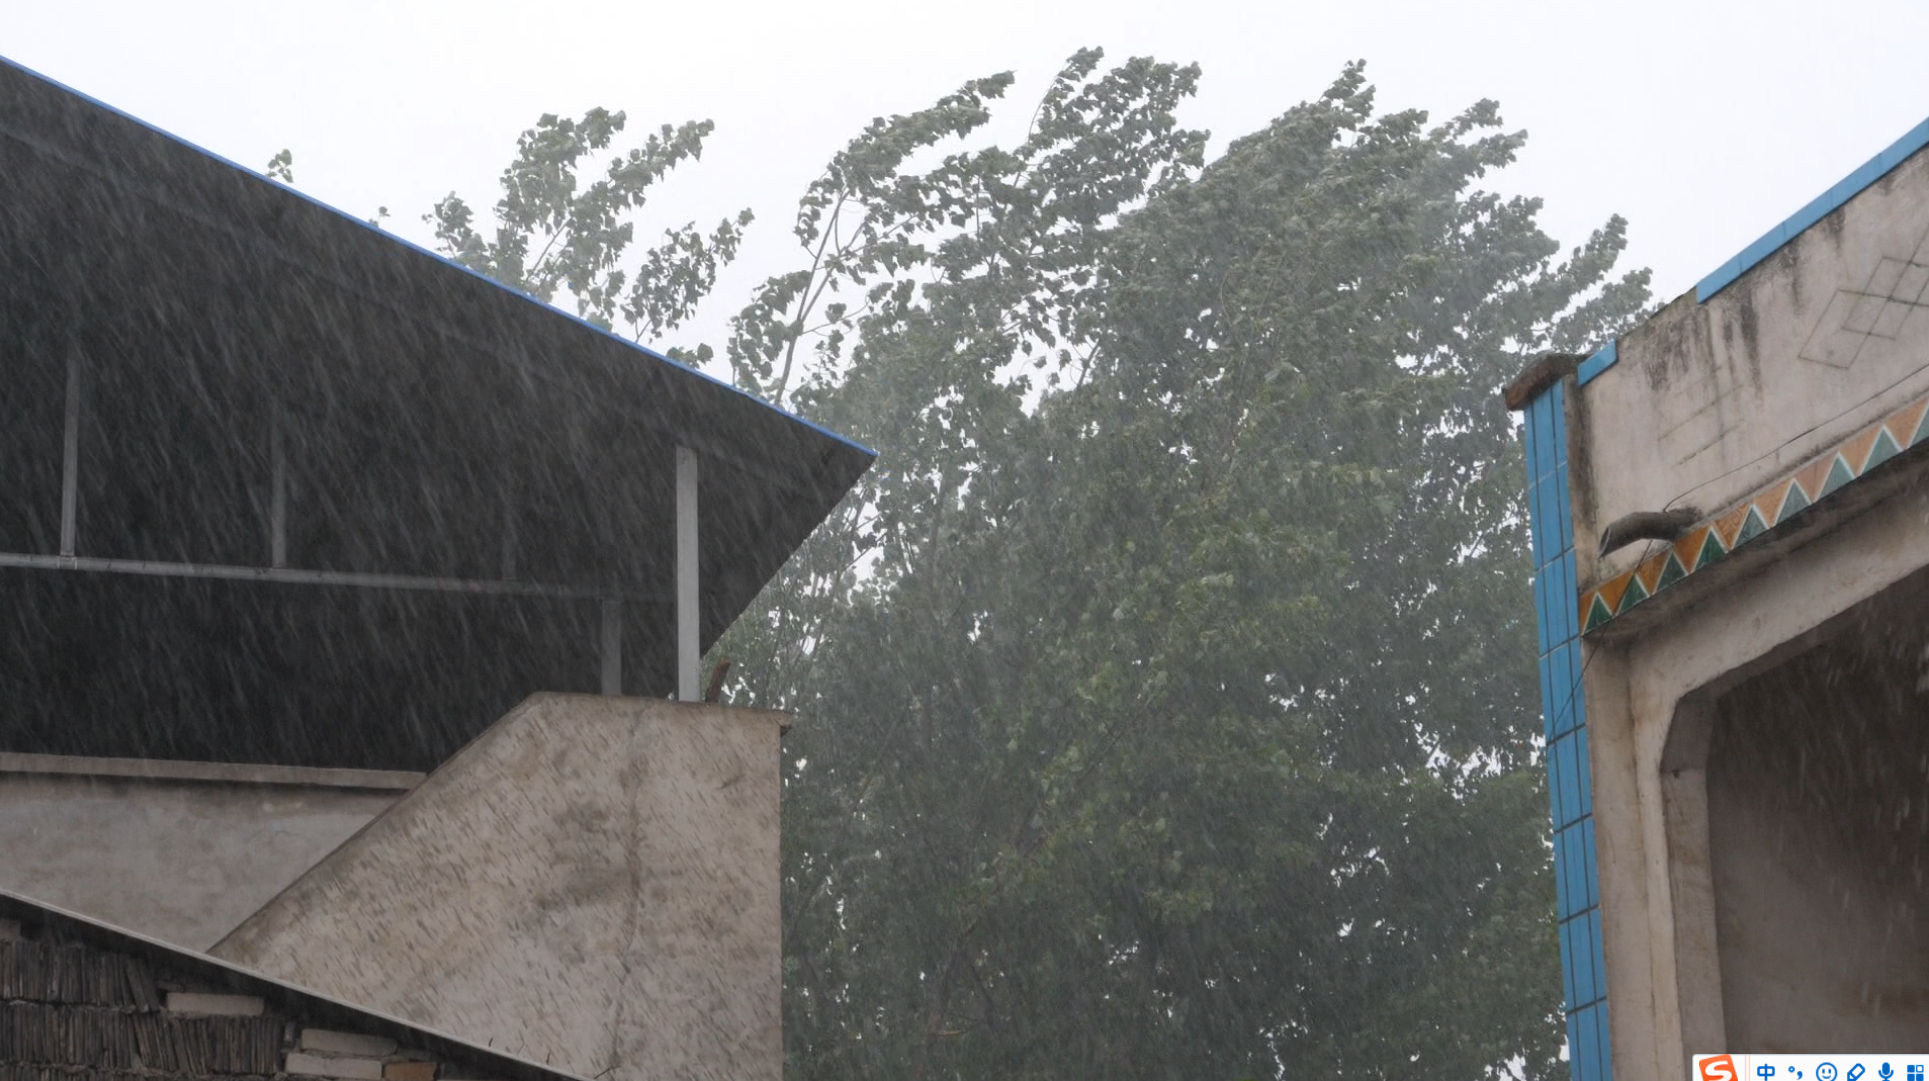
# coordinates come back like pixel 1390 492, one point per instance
pixel 1728 509
pixel 343 593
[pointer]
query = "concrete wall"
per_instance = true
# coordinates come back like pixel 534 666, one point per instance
pixel 1732 918
pixel 181 851
pixel 593 882
pixel 1708 401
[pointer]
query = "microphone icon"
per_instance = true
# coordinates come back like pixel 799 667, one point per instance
pixel 1886 1073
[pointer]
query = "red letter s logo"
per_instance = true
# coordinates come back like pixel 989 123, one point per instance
pixel 1718 1068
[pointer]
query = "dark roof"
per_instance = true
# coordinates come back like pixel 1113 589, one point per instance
pixel 83 994
pixel 467 470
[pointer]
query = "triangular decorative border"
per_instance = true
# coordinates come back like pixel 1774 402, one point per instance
pixel 1770 506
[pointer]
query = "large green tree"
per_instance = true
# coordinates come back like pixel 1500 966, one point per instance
pixel 1165 698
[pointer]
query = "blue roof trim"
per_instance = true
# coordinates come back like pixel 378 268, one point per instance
pixel 1601 361
pixel 1871 171
pixel 643 349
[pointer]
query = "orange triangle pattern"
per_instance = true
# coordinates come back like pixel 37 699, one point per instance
pixel 1764 510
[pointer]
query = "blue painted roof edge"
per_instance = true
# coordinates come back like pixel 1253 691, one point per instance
pixel 1847 188
pixel 1601 361
pixel 385 234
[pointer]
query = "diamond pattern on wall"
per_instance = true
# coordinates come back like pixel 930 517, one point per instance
pixel 1895 293
pixel 1712 538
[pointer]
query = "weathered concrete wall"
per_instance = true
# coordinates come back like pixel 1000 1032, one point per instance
pixel 1710 400
pixel 181 851
pixel 593 882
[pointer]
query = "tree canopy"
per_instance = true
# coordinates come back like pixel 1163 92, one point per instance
pixel 1165 697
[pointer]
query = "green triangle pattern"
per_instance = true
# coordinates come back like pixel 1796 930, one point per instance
pixel 1838 476
pixel 1796 500
pixel 1597 613
pixel 1671 572
pixel 1635 595
pixel 1711 550
pixel 1753 526
pixel 1885 448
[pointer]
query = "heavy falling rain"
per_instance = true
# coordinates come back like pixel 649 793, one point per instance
pixel 971 565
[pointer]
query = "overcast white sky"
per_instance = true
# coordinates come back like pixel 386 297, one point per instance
pixel 1704 124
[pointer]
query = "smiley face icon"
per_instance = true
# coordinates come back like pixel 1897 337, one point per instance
pixel 1825 1072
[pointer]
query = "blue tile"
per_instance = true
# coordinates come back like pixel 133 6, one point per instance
pixel 1571 778
pixel 1546 604
pixel 1570 781
pixel 1581 949
pixel 1570 991
pixel 1545 495
pixel 1576 869
pixel 1583 770
pixel 1535 516
pixel 1723 276
pixel 1553 796
pixel 1580 1044
pixel 1590 871
pixel 1600 954
pixel 1817 209
pixel 1557 415
pixel 1567 900
pixel 1604 1058
pixel 1561 708
pixel 1557 406
pixel 1761 249
pixel 1563 509
pixel 1560 774
pixel 1560 703
pixel 1586 1053
pixel 1543 640
pixel 1549 611
pixel 1852 185
pixel 1601 361
pixel 1578 716
pixel 1554 708
pixel 1571 656
pixel 1580 846
pixel 1570 599
pixel 1554 428
pixel 1549 601
pixel 1546 666
pixel 1541 415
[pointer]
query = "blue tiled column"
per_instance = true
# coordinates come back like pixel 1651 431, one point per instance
pixel 1578 894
